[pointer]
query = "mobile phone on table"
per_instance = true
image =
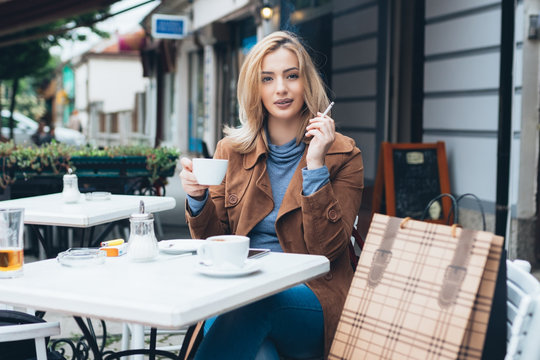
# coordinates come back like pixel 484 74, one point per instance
pixel 257 253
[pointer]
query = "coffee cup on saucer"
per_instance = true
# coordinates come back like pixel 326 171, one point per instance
pixel 224 251
pixel 209 171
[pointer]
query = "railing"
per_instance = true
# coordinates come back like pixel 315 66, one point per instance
pixel 127 127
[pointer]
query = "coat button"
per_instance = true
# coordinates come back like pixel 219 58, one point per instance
pixel 328 276
pixel 332 215
pixel 233 199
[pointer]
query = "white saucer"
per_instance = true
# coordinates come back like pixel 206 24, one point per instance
pixel 178 246
pixel 250 267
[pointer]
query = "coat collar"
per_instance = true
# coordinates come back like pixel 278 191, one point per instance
pixel 340 145
pixel 250 159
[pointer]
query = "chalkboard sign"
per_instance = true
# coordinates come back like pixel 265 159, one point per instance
pixel 409 176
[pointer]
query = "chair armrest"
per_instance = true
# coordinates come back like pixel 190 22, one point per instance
pixel 28 331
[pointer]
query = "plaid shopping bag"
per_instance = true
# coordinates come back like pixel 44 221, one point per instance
pixel 421 291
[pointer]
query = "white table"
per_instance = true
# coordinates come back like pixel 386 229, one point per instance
pixel 52 211
pixel 167 293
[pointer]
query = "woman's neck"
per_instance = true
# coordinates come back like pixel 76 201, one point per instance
pixel 281 132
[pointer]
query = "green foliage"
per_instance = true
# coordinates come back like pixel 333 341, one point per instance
pixel 41 78
pixel 23 59
pixel 158 160
pixel 56 158
pixel 29 161
pixel 28 101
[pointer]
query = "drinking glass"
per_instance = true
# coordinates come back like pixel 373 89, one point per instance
pixel 11 242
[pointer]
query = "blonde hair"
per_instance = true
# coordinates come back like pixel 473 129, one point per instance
pixel 251 110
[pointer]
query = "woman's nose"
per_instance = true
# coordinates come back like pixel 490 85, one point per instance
pixel 281 86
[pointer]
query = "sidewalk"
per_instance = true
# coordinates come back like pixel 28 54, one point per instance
pixel 170 341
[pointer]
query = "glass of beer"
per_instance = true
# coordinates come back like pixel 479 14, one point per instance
pixel 11 242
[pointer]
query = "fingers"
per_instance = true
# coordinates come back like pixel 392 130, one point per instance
pixel 320 126
pixel 189 181
pixel 186 163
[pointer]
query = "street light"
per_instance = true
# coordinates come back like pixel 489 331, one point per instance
pixel 266 11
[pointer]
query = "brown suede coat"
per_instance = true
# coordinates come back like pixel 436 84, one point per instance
pixel 317 224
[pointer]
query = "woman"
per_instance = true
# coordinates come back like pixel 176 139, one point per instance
pixel 293 184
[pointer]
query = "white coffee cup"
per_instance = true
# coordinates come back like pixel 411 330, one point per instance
pixel 209 171
pixel 224 251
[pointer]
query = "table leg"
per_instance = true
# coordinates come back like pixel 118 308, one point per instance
pixel 92 343
pixel 126 334
pixel 153 338
pixel 137 344
pixel 137 339
pixel 88 235
pixel 103 234
pixel 43 241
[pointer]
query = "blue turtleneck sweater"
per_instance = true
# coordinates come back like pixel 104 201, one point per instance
pixel 281 164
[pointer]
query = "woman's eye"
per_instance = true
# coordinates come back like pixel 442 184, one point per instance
pixel 266 79
pixel 293 76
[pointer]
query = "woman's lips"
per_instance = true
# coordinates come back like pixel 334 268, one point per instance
pixel 284 103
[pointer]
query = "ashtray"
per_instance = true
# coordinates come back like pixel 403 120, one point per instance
pixel 76 257
pixel 98 196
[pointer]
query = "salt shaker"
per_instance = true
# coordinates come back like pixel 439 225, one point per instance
pixel 70 193
pixel 142 243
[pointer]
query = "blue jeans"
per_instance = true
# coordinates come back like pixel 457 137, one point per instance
pixel 287 324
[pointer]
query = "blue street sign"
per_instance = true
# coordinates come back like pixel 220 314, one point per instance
pixel 169 26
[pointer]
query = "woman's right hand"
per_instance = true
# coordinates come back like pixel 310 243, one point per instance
pixel 189 182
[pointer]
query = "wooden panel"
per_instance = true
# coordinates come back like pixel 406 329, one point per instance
pixel 358 113
pixel 355 24
pixel 341 5
pixel 514 171
pixel 443 7
pixel 516 112
pixel 518 66
pixel 466 73
pixel 354 54
pixel 366 143
pixel 465 33
pixel 519 24
pixel 356 83
pixel 463 113
pixel 472 164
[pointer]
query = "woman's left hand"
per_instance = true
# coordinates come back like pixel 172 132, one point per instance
pixel 322 131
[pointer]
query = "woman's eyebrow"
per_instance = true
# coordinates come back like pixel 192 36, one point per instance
pixel 290 69
pixel 284 71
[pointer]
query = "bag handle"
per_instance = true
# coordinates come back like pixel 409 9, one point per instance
pixel 479 206
pixel 453 209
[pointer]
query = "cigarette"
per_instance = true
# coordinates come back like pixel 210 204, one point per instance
pixel 328 109
pixel 112 242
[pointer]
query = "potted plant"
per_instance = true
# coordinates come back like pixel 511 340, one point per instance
pixel 20 162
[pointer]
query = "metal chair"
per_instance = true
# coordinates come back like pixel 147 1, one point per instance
pixel 19 330
pixel 523 314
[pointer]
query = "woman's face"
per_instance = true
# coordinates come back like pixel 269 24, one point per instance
pixel 282 90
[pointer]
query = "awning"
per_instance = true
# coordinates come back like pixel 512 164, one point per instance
pixel 19 15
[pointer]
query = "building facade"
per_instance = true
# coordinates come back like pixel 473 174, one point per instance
pixel 398 71
pixel 107 90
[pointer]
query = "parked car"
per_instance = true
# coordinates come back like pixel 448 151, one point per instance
pixel 24 128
